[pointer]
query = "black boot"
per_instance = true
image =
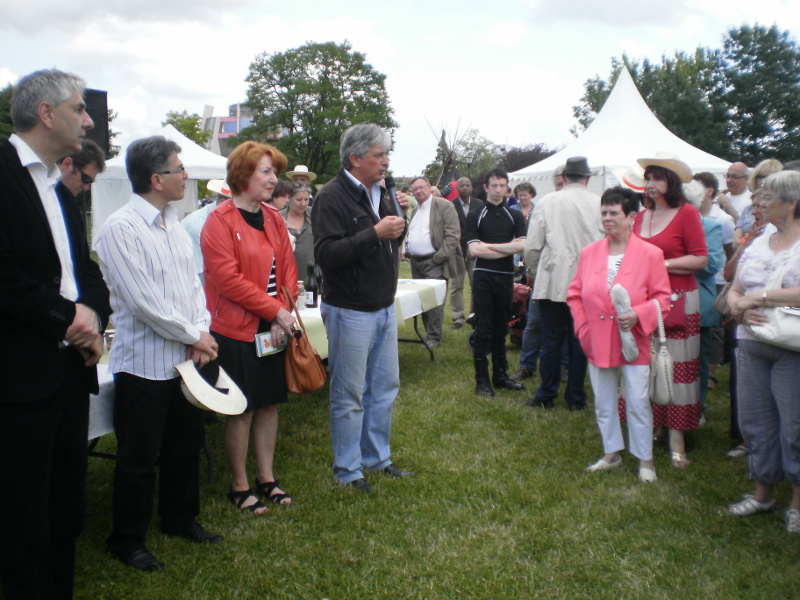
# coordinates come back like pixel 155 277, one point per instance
pixel 482 386
pixel 500 377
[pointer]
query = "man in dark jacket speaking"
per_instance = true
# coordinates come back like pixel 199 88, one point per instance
pixel 357 236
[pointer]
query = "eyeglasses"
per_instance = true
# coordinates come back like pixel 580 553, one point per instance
pixel 766 198
pixel 180 169
pixel 734 176
pixel 85 179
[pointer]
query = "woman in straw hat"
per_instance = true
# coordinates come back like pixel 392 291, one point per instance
pixel 674 225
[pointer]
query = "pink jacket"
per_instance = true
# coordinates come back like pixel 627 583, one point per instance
pixel 237 266
pixel 643 274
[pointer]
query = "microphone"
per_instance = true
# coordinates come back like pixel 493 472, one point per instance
pixel 391 189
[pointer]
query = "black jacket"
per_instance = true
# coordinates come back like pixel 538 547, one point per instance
pixel 359 271
pixel 34 317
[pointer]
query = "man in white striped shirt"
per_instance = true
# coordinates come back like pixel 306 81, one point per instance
pixel 161 320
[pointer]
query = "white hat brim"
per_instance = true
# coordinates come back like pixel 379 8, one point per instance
pixel 198 391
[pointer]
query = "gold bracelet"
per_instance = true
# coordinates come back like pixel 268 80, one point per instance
pixel 764 298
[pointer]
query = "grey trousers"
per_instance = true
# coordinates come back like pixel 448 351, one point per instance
pixel 428 268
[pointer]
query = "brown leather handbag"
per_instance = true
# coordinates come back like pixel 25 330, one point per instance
pixel 302 365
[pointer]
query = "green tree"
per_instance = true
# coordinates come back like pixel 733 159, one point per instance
pixel 189 125
pixel 761 69
pixel 484 155
pixel 6 127
pixel 304 98
pixel 113 150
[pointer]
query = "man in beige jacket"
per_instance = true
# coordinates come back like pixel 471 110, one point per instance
pixel 561 225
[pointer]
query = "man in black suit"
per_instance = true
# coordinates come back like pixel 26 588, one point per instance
pixel 55 306
pixel 464 204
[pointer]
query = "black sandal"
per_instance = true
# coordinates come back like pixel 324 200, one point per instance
pixel 266 489
pixel 239 498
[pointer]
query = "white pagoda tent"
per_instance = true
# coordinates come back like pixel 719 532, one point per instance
pixel 112 189
pixel 624 130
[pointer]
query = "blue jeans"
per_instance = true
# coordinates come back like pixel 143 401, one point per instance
pixel 365 379
pixel 531 337
pixel 556 327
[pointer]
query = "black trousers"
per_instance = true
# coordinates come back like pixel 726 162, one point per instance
pixel 154 423
pixel 492 294
pixel 43 450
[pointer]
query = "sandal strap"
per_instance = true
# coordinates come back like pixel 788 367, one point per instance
pixel 239 498
pixel 266 488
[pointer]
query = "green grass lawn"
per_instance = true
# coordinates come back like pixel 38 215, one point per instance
pixel 501 508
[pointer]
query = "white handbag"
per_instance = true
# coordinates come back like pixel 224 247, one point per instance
pixel 661 367
pixel 783 328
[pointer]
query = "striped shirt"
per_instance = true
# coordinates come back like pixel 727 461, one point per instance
pixel 158 301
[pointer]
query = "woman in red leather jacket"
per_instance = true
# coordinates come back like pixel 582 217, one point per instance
pixel 248 257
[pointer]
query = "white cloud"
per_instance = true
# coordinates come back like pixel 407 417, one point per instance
pixel 7 76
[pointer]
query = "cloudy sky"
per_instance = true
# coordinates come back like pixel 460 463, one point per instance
pixel 513 69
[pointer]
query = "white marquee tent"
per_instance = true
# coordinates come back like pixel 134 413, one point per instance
pixel 113 189
pixel 624 130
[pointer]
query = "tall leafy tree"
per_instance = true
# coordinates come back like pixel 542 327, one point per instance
pixel 304 98
pixel 762 87
pixel 189 125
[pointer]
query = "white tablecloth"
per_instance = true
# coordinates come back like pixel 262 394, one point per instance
pixel 411 296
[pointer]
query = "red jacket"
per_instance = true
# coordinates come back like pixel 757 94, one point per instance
pixel 237 261
pixel 643 274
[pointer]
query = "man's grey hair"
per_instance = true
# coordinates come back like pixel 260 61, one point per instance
pixel 146 157
pixel 51 86
pixel 418 177
pixel 358 139
pixel 90 153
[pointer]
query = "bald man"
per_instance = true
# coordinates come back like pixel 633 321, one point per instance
pixel 738 196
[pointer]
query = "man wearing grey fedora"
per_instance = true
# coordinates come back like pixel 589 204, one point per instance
pixel 562 224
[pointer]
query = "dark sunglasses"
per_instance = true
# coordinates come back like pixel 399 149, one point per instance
pixel 85 179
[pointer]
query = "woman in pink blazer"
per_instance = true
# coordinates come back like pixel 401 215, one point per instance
pixel 620 258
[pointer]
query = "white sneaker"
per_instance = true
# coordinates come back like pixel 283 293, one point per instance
pixel 748 505
pixel 793 520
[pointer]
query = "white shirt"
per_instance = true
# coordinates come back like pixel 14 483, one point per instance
pixel 739 201
pixel 373 194
pixel 418 241
pixel 45 182
pixel 159 305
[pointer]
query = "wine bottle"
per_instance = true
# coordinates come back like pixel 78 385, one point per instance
pixel 312 287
